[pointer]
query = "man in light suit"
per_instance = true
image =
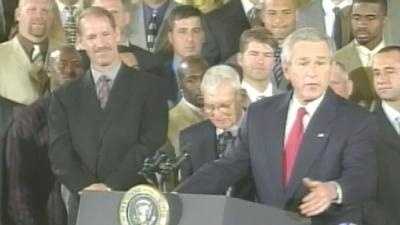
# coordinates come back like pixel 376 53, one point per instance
pixel 104 125
pixel 141 14
pixel 368 18
pixel 189 110
pixel 320 14
pixel 309 150
pixel 23 76
pixel 209 140
pixel 385 210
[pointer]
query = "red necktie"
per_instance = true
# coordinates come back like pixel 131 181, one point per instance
pixel 292 145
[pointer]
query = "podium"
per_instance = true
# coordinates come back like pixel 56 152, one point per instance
pixel 102 208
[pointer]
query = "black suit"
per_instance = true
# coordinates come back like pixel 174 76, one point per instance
pixel 93 145
pixel 200 142
pixel 169 78
pixel 223 28
pixel 33 196
pixel 9 16
pixel 6 109
pixel 338 145
pixel 386 209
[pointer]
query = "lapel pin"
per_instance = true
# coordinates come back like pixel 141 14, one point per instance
pixel 320 135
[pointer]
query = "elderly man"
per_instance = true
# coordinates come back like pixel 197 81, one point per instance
pixel 309 150
pixel 211 139
pixel 23 76
pixel 385 209
pixel 27 144
pixel 339 81
pixel 105 124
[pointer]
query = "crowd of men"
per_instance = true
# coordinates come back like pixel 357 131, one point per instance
pixel 292 104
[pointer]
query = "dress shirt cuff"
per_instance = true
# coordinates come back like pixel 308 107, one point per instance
pixel 339 193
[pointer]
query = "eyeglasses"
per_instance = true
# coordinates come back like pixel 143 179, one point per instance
pixel 222 108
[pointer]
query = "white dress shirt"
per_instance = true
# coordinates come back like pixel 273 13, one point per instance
pixel 254 94
pixel 310 107
pixel 329 17
pixel 393 115
pixel 365 54
pixel 247 6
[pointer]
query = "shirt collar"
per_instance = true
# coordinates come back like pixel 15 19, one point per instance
pixel 311 107
pixel 247 5
pixel 254 94
pixel 364 50
pixel 328 5
pixel 27 45
pixel 191 106
pixel 391 113
pixel 234 129
pixel 112 73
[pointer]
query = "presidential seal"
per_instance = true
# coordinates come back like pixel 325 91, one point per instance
pixel 144 205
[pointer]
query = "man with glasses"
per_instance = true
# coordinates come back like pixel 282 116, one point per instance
pixel 211 139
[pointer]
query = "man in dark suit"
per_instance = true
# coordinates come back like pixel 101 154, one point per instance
pixel 185 33
pixel 33 194
pixel 309 150
pixel 209 140
pixel 385 209
pixel 6 110
pixel 329 16
pixel 105 124
pixel 223 29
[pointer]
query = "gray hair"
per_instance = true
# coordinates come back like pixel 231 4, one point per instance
pixel 220 74
pixel 304 34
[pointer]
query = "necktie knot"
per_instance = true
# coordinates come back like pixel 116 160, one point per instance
pixel 301 112
pixel 223 141
pixel 37 57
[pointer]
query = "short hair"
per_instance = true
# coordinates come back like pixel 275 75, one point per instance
pixel 219 74
pixel 190 65
pixel 296 5
pixel 305 34
pixel 389 48
pixel 342 67
pixel 382 3
pixel 52 4
pixel 183 12
pixel 257 34
pixel 126 4
pixel 96 12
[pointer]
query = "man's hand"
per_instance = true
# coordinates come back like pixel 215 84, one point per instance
pixel 129 59
pixel 321 196
pixel 97 187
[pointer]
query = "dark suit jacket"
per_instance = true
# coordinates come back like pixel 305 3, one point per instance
pixel 6 109
pixel 9 16
pixel 200 142
pixel 312 15
pixel 91 145
pixel 223 28
pixel 338 145
pixel 385 209
pixel 168 78
pixel 33 194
